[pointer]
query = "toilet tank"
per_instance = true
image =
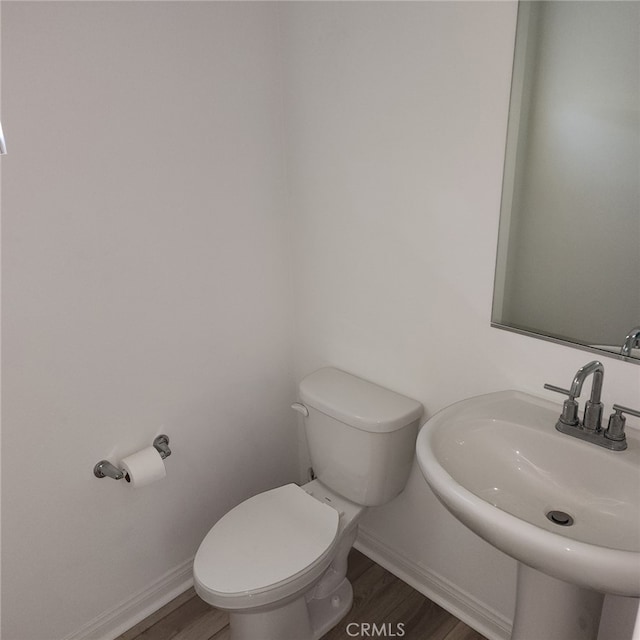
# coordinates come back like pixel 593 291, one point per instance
pixel 361 436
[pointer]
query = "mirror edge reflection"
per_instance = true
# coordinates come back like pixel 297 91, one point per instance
pixel 567 343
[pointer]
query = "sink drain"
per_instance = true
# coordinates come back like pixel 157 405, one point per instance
pixel 560 517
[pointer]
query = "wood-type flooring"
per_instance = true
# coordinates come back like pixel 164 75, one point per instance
pixel 379 598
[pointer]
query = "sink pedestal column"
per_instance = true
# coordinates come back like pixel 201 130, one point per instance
pixel 553 609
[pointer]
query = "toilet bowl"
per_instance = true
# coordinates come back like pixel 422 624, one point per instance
pixel 278 561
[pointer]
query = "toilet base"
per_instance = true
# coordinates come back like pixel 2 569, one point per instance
pixel 325 613
pixel 296 620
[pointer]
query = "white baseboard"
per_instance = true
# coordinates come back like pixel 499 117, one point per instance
pixel 462 605
pixel 112 623
pixel 115 621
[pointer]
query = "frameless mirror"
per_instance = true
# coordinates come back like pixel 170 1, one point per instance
pixel 568 266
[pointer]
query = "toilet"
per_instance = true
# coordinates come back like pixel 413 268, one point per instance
pixel 278 561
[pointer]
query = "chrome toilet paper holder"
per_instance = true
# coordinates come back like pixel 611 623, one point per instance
pixel 104 469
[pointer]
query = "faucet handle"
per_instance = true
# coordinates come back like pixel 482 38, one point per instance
pixel 632 412
pixel 615 430
pixel 552 387
pixel 569 413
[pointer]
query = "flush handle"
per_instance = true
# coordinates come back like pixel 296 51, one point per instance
pixel 300 408
pixel 3 146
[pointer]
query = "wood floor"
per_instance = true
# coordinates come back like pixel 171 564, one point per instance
pixel 379 597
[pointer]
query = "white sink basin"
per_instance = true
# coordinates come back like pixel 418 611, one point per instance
pixel 498 464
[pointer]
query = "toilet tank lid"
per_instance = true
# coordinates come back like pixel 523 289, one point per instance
pixel 357 402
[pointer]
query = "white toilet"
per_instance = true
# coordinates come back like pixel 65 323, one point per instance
pixel 278 561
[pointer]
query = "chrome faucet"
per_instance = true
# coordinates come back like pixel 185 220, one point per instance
pixel 593 407
pixel 632 341
pixel 590 428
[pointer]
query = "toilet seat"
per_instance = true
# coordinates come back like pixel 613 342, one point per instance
pixel 266 548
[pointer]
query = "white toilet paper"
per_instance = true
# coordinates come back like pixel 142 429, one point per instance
pixel 143 467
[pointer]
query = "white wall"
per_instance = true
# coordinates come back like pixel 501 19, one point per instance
pixel 147 283
pixel 397 116
pixel 146 290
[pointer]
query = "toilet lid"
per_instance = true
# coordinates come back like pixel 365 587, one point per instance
pixel 265 540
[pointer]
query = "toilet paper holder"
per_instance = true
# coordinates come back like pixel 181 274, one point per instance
pixel 104 469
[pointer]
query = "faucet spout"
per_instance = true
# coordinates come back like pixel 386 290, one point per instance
pixel 597 369
pixel 593 408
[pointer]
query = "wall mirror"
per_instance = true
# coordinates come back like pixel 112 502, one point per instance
pixel 568 265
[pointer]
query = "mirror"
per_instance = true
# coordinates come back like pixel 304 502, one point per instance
pixel 568 265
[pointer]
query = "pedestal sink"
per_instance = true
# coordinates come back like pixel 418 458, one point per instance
pixel 567 510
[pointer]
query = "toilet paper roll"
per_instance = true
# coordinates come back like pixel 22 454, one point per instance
pixel 143 467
